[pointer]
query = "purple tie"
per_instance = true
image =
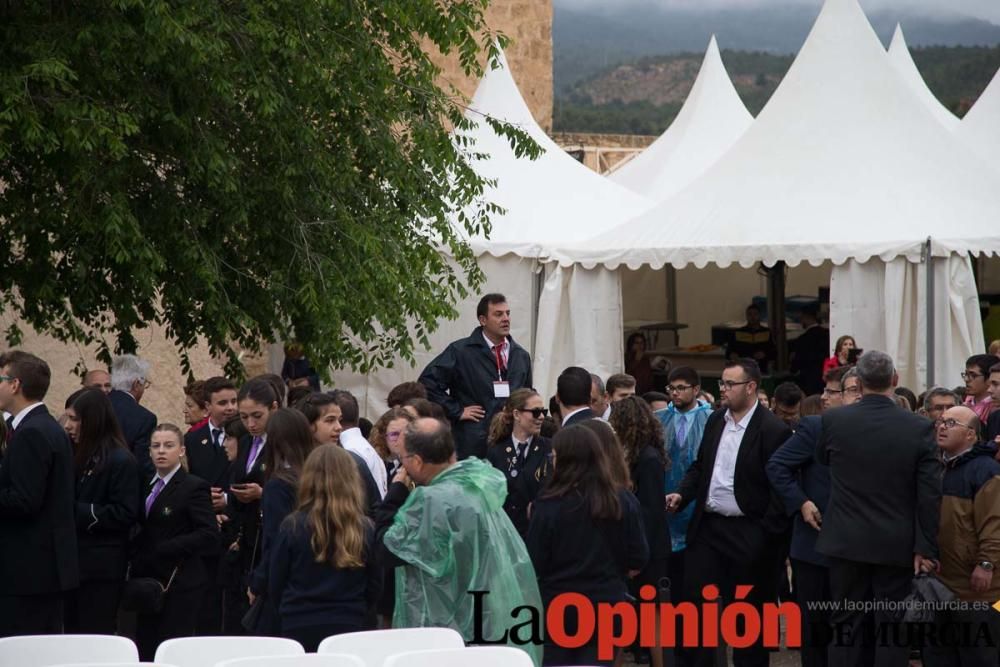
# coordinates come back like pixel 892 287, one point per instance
pixel 681 430
pixel 254 448
pixel 151 498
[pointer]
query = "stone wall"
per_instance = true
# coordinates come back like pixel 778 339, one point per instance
pixel 602 152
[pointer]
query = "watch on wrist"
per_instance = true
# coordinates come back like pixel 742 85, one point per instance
pixel 986 565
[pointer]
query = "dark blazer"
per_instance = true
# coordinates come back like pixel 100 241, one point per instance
pixel 811 350
pixel 179 530
pixel 796 476
pixel 993 427
pixel 205 459
pixel 107 508
pixel 764 434
pixel 277 503
pixel 463 375
pixel 885 488
pixel 247 514
pixel 647 479
pixel 38 549
pixel 524 479
pixel 137 426
pixel 582 415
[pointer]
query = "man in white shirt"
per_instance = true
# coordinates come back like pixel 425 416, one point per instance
pixel 737 521
pixel 352 440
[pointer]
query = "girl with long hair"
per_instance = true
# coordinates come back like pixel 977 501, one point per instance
pixel 641 437
pixel 520 452
pixel 841 354
pixel 585 534
pixel 107 507
pixel 611 449
pixel 323 574
pixel 290 439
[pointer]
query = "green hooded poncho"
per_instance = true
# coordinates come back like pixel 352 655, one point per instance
pixel 455 537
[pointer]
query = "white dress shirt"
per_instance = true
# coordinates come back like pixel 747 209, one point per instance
pixel 721 492
pixel 353 441
pixel 504 353
pixel 19 417
pixel 166 478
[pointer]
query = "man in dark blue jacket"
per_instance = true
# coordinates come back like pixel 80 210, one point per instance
pixel 473 377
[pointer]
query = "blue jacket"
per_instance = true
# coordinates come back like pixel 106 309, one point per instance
pixel 681 456
pixel 796 477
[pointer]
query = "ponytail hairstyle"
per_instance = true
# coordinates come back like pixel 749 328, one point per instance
pixel 502 425
pixel 170 428
pixel 259 391
pixel 331 498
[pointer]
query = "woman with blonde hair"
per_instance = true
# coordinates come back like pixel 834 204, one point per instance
pixel 323 574
pixel 520 452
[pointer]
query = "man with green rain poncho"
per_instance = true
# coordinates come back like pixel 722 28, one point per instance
pixel 449 536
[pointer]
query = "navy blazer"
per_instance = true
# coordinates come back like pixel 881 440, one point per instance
pixel 206 459
pixel 137 426
pixel 108 505
pixel 581 416
pixel 38 548
pixel 796 477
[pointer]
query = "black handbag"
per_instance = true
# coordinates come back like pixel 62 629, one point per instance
pixel 145 595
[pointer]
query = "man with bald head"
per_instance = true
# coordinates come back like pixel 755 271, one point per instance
pixel 442 524
pixel 97 379
pixel 969 540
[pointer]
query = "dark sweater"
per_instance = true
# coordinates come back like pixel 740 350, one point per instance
pixel 573 552
pixel 310 593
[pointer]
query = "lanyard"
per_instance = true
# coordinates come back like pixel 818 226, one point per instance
pixel 499 355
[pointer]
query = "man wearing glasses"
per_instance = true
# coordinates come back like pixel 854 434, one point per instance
pixel 129 381
pixel 977 385
pixel 881 524
pixel 737 520
pixel 970 542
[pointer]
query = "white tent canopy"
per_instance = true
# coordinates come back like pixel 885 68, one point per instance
pixel 712 119
pixel 902 60
pixel 980 129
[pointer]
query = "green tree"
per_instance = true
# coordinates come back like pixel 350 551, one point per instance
pixel 241 171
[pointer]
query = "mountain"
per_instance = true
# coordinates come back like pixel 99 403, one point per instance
pixel 588 38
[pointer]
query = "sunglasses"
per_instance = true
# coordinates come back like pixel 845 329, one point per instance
pixel 537 413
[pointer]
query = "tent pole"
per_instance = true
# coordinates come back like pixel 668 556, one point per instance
pixel 776 314
pixel 671 280
pixel 929 269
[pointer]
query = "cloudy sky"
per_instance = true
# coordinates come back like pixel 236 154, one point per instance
pixel 982 9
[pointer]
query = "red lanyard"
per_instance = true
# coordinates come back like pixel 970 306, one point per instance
pixel 501 367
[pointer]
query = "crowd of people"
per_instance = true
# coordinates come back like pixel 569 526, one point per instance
pixel 279 510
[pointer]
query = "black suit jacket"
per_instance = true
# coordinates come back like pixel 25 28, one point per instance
pixel 38 548
pixel 885 490
pixel 764 434
pixel 463 375
pixel 107 509
pixel 524 479
pixel 811 350
pixel 179 530
pixel 137 426
pixel 247 514
pixel 206 459
pixel 582 415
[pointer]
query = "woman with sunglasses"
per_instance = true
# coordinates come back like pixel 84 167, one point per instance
pixel 520 452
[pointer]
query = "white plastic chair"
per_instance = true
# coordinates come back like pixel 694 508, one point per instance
pixel 374 646
pixel 114 664
pixel 207 651
pixel 46 650
pixel 479 656
pixel 307 660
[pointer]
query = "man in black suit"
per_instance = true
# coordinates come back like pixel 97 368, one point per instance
pixel 38 549
pixel 573 394
pixel 129 379
pixel 881 524
pixel 473 377
pixel 737 518
pixel 810 350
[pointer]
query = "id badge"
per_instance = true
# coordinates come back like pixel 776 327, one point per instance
pixel 501 390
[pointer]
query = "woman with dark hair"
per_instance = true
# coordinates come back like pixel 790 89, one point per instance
pixel 841 354
pixel 585 534
pixel 517 449
pixel 107 507
pixel 637 364
pixel 324 575
pixel 641 437
pixel 290 439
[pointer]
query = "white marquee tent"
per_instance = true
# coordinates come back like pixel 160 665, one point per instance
pixel 980 129
pixel 902 60
pixel 712 119
pixel 553 199
pixel 843 164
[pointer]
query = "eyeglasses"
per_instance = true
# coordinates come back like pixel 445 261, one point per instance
pixel 829 391
pixel 853 389
pixel 729 384
pixel 678 388
pixel 7 378
pixel 950 423
pixel 393 435
pixel 969 375
pixel 537 413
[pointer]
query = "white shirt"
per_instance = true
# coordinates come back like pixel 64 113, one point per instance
pixel 566 418
pixel 505 353
pixel 166 478
pixel 19 417
pixel 607 413
pixel 353 441
pixel 721 493
pixel 527 442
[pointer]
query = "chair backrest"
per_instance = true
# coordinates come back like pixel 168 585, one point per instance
pixel 307 660
pixel 374 646
pixel 207 651
pixel 46 650
pixel 114 664
pixel 477 656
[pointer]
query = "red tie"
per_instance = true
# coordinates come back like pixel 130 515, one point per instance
pixel 501 364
